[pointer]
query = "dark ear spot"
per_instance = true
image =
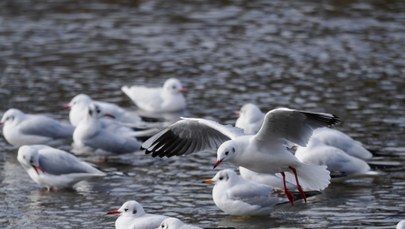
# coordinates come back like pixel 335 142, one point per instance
pixel 90 112
pixel 134 211
pixel 233 149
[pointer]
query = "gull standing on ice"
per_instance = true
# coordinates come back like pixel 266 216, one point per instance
pixel 264 152
pixel 89 133
pixel 27 129
pixel 133 216
pixel 169 98
pixel 237 196
pixel 54 168
pixel 174 223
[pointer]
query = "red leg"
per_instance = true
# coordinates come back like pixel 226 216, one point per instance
pixel 298 184
pixel 287 193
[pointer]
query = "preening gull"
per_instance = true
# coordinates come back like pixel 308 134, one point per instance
pixel 54 168
pixel 90 133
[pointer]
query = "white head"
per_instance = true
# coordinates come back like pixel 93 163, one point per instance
pixel 80 99
pixel 28 157
pixel 93 112
pixel 226 151
pixel 130 208
pixel 225 176
pixel 77 108
pixel 173 86
pixel 171 223
pixel 251 112
pixel 12 116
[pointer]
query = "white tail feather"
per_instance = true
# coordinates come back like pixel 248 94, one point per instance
pixel 310 177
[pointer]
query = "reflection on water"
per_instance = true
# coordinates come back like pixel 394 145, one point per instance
pixel 344 57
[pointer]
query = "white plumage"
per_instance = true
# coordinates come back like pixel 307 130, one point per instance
pixel 168 98
pixel 54 168
pixel 133 216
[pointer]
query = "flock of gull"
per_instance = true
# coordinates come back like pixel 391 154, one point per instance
pixel 282 156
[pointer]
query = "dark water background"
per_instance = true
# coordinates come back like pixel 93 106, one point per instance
pixel 344 57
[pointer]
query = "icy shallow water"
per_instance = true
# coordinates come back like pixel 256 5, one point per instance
pixel 343 57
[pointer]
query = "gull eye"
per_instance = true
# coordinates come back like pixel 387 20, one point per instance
pixel 98 110
pixel 226 153
pixel 221 178
pixel 126 209
pixel 31 161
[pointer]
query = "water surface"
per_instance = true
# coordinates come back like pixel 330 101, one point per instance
pixel 343 57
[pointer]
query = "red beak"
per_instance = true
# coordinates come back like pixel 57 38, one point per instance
pixel 114 212
pixel 66 106
pixel 37 169
pixel 1 124
pixel 183 90
pixel 217 163
pixel 237 113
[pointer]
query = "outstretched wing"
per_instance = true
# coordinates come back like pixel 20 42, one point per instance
pixel 293 125
pixel 189 135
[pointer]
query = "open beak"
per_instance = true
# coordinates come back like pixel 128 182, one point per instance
pixel 217 163
pixel 183 90
pixel 66 106
pixel 113 212
pixel 208 181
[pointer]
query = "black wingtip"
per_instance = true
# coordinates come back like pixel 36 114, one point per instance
pixel 335 120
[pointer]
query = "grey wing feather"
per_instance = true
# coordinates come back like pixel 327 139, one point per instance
pixel 47 127
pixel 185 137
pixel 112 143
pixel 255 195
pixel 57 162
pixel 293 125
